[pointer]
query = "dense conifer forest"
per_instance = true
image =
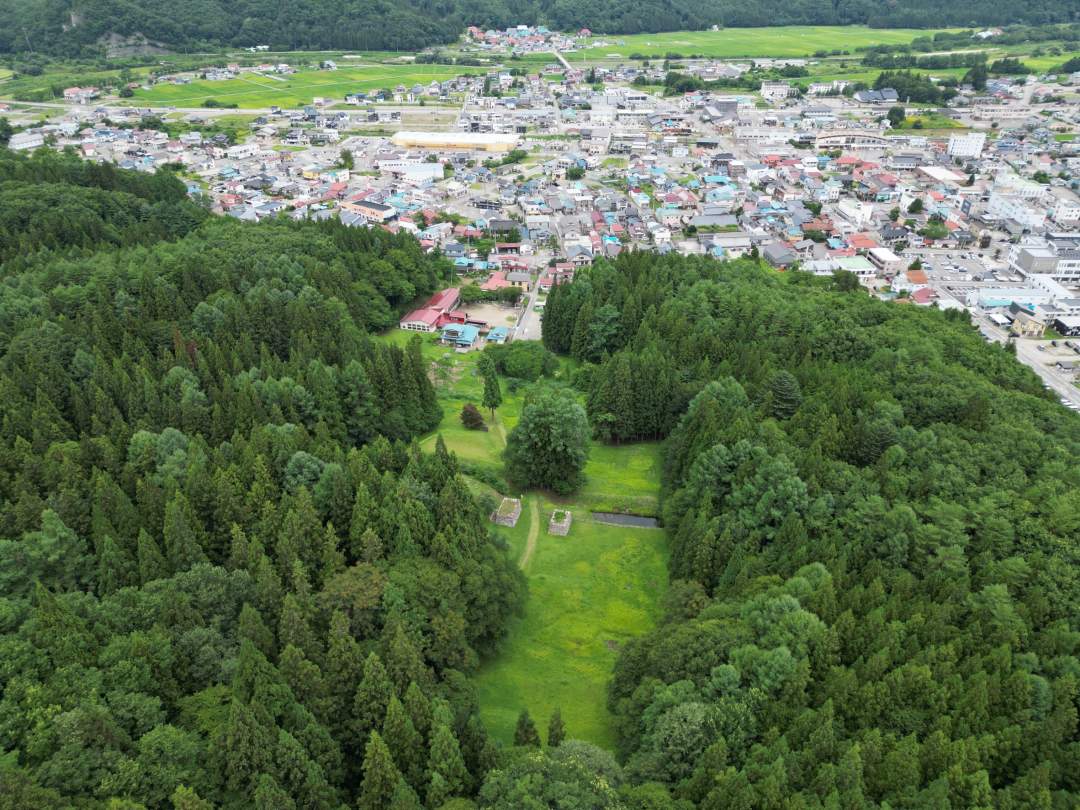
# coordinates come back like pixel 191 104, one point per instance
pixel 875 529
pixel 230 579
pixel 68 27
pixel 226 579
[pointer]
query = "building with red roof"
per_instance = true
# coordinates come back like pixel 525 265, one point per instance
pixel 435 312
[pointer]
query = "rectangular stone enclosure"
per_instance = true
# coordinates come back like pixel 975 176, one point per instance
pixel 508 512
pixel 560 522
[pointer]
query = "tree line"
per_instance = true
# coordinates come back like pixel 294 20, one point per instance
pixel 41 25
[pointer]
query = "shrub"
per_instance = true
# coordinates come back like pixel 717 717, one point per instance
pixel 472 418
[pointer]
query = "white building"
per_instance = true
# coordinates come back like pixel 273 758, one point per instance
pixel 885 260
pixel 1056 257
pixel 776 91
pixel 242 151
pixel 22 141
pixel 967 145
pixel 1016 208
pixel 1066 207
pixel 859 214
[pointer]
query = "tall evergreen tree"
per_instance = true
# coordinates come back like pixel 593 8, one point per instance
pixel 786 395
pixel 525 732
pixel 371 699
pixel 447 776
pixel 492 392
pixel 404 741
pixel 556 730
pixel 381 776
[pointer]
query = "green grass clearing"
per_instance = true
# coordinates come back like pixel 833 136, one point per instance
pixel 297 89
pixel 589 592
pixel 929 121
pixel 781 41
pixel 623 478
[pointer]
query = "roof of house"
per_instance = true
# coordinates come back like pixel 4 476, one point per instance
pixel 444 299
pixel 423 315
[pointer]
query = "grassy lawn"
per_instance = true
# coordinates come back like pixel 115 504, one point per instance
pixel 298 89
pixel 588 593
pixel 800 40
pixel 929 121
pixel 622 478
pixel 1047 62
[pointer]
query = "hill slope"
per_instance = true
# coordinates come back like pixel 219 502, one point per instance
pixel 65 26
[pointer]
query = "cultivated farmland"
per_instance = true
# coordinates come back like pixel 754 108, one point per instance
pixel 298 89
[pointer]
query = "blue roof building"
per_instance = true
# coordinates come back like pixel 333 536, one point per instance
pixel 462 335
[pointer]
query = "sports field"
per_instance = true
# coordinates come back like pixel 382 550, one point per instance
pixel 787 41
pixel 298 89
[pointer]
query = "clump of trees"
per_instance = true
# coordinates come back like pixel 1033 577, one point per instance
pixel 548 447
pixel 523 360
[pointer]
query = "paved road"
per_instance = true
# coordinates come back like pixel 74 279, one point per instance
pixel 1026 353
pixel 528 327
pixel 1030 356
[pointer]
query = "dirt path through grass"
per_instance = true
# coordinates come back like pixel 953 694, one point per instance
pixel 534 533
pixel 500 430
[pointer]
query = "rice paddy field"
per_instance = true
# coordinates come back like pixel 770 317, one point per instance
pixel 785 41
pixel 298 89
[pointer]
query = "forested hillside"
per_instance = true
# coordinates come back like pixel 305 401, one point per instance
pixel 66 27
pixel 227 579
pixel 875 530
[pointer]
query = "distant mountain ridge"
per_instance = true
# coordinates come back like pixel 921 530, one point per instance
pixel 80 26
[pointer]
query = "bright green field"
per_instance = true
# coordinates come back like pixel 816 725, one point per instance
pixel 1046 63
pixel 588 593
pixel 295 90
pixel 623 478
pixel 800 40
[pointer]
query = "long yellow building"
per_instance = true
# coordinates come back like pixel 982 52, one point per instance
pixel 486 141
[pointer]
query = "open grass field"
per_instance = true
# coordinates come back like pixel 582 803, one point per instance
pixel 255 91
pixel 1047 62
pixel 588 592
pixel 623 478
pixel 786 41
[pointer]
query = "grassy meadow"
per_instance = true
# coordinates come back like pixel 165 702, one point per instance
pixel 781 41
pixel 589 592
pixel 298 89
